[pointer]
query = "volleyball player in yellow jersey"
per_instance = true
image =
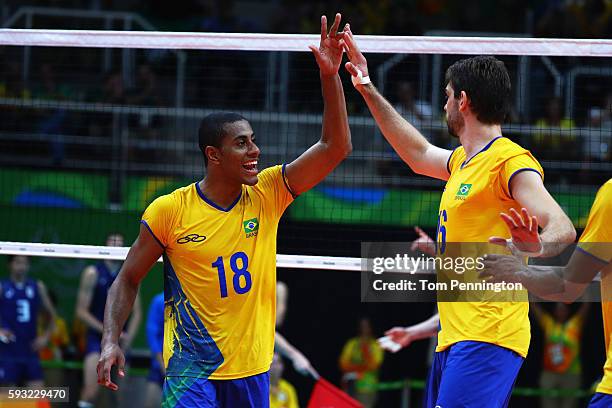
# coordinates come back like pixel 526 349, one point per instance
pixel 218 240
pixel 592 255
pixel 481 345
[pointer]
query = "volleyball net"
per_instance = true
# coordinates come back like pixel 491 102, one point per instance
pixel 97 124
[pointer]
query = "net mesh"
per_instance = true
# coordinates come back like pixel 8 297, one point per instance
pixel 94 126
pixel 92 132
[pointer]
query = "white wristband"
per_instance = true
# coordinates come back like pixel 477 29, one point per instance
pixel 360 79
pixel 512 247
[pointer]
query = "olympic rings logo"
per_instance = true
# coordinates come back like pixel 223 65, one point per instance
pixel 191 238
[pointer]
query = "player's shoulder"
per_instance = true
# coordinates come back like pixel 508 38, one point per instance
pixel 269 177
pixel 175 198
pixel 270 172
pixel 604 194
pixel 507 148
pixel 606 188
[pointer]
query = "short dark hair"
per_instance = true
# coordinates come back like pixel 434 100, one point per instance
pixel 486 82
pixel 212 130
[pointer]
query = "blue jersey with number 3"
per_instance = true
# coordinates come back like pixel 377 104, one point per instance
pixel 19 306
pixel 220 277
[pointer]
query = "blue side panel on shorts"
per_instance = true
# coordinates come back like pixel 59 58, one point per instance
pixel 470 373
pixel 195 353
pixel 190 392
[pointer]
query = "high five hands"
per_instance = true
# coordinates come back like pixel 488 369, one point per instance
pixel 331 47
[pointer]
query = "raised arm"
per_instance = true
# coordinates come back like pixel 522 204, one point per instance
pixel 335 144
pixel 422 157
pixel 142 255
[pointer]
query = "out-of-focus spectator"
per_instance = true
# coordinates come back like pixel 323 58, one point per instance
pixel 113 92
pixel 562 334
pixel 359 362
pixel 282 393
pixel 146 91
pixel 59 339
pixel 21 300
pixel 144 126
pixel 574 19
pixel 416 111
pixel 597 142
pixel 56 347
pixel 300 362
pixel 14 118
pixel 593 18
pixel 52 121
pixel 550 140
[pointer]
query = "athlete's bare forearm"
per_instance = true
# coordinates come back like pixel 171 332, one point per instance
pixel 422 157
pixel 335 133
pixel 119 303
pixel 557 234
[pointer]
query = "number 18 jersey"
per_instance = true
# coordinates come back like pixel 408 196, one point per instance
pixel 220 277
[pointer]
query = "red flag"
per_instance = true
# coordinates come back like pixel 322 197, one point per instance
pixel 326 395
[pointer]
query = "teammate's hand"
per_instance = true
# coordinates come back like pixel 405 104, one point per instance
pixel 400 335
pixel 7 336
pixel 40 342
pixel 502 268
pixel 524 231
pixel 423 243
pixel 331 47
pixel 110 355
pixel 356 59
pixel 303 366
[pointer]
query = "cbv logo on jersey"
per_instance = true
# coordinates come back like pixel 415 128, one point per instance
pixel 464 190
pixel 251 227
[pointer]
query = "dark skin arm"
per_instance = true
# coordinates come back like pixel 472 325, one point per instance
pixel 335 144
pixel 142 255
pixel 560 284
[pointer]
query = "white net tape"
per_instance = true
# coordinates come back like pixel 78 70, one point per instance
pixel 120 253
pixel 300 42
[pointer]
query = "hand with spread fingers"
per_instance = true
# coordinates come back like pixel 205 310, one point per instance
pixel 523 228
pixel 502 268
pixel 357 65
pixel 111 355
pixel 331 47
pixel 423 243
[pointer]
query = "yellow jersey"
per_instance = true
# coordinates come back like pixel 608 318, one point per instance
pixel 476 192
pixel 596 240
pixel 219 277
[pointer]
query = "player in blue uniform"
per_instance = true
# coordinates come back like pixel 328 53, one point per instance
pixel 21 300
pixel 95 282
pixel 155 338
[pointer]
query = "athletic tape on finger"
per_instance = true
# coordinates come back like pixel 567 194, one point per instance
pixel 359 79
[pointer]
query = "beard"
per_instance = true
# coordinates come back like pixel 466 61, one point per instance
pixel 455 124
